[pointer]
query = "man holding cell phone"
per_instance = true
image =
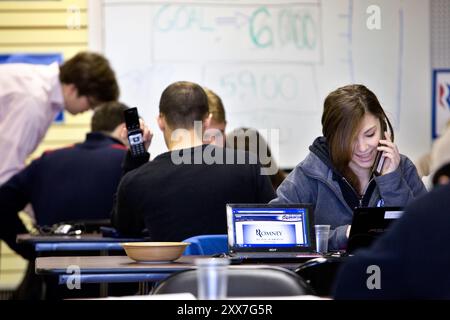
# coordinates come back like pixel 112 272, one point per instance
pixel 175 200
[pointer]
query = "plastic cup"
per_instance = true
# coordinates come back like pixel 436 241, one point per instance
pixel 322 233
pixel 212 278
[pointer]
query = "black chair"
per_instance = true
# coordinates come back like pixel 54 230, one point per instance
pixel 320 274
pixel 250 281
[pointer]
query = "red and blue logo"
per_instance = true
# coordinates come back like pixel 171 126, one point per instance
pixel 444 95
pixel 441 101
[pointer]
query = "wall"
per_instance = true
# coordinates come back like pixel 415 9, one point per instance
pixel 274 62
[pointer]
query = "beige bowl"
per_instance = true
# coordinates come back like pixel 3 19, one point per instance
pixel 154 251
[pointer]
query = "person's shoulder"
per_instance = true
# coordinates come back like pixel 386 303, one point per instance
pixel 54 153
pixel 429 209
pixel 312 165
pixel 147 171
pixel 312 159
pixel 129 178
pixel 250 157
pixel 307 172
pixel 17 68
pixel 19 78
pixel 227 155
pixel 116 151
pixel 118 146
pixel 437 194
pixel 406 162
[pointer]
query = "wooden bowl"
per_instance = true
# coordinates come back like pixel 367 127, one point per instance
pixel 154 251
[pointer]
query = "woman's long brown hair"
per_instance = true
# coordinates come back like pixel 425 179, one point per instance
pixel 344 109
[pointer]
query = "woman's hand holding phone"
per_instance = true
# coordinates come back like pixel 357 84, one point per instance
pixel 390 152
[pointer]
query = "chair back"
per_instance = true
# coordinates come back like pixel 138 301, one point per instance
pixel 320 274
pixel 207 245
pixel 243 281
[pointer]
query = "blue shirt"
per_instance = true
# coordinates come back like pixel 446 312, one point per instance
pixel 73 183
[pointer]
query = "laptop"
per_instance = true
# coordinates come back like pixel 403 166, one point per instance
pixel 271 232
pixel 369 223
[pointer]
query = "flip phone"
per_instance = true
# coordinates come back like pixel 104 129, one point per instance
pixel 378 164
pixel 135 137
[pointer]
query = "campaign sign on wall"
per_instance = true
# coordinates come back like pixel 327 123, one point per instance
pixel 441 101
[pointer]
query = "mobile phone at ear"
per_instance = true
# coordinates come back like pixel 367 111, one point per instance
pixel 378 164
pixel 135 137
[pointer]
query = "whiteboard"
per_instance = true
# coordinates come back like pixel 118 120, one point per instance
pixel 274 62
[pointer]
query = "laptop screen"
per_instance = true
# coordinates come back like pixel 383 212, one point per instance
pixel 369 223
pixel 269 228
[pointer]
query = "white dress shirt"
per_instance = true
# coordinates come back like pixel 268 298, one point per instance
pixel 30 98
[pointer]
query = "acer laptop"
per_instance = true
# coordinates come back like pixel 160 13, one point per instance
pixel 270 232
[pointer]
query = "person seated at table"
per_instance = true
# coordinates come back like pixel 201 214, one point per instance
pixel 250 140
pixel 216 130
pixel 73 183
pixel 409 261
pixel 436 158
pixel 337 174
pixel 183 192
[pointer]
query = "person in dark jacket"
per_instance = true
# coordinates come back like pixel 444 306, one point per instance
pixel 409 261
pixel 72 183
pixel 337 175
pixel 183 192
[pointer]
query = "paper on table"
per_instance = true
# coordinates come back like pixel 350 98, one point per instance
pixel 302 297
pixel 190 296
pixel 171 296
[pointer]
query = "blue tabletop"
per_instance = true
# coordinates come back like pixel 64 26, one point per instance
pixel 85 242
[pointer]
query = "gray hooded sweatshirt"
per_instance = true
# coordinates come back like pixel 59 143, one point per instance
pixel 314 180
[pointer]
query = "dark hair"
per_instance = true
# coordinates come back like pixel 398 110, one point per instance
pixel 215 106
pixel 92 75
pixel 441 172
pixel 344 109
pixel 182 103
pixel 108 116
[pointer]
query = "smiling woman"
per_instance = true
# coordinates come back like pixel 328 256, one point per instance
pixel 353 114
pixel 339 172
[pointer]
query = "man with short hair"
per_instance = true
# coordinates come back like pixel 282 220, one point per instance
pixel 183 192
pixel 73 183
pixel 32 95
